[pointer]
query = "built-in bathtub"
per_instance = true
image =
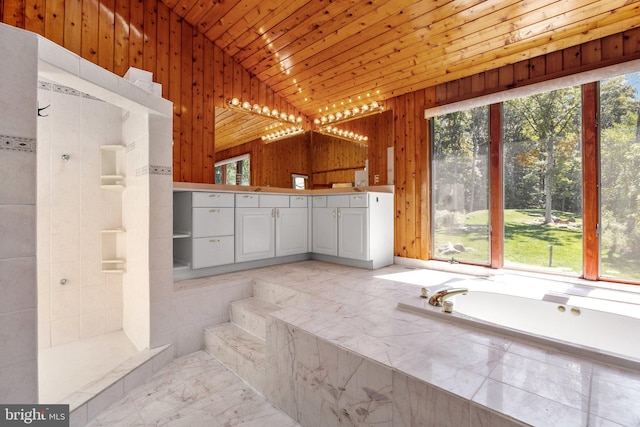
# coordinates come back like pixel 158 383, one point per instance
pixel 600 328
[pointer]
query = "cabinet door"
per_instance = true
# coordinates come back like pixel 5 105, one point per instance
pixel 255 233
pixel 291 231
pixel 325 231
pixel 353 233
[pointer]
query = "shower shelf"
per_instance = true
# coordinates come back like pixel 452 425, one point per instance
pixel 113 250
pixel 112 167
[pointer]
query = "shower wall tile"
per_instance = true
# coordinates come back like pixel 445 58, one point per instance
pixel 19 382
pixel 18 99
pixel 65 330
pixel 12 330
pixel 17 284
pixel 44 335
pixel 66 303
pixel 18 231
pixel 61 58
pixel 21 175
pixel 161 190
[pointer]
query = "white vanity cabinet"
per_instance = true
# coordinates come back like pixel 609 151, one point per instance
pixel 357 227
pixel 267 227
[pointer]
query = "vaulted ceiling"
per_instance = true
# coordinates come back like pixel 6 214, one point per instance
pixel 317 53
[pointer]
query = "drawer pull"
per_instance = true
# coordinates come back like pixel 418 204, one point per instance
pixel 247 197
pixel 358 197
pixel 214 210
pixel 299 198
pixel 214 241
pixel 214 195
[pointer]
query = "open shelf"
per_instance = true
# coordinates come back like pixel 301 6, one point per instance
pixel 112 167
pixel 113 250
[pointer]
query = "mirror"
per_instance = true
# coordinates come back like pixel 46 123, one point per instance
pixel 327 160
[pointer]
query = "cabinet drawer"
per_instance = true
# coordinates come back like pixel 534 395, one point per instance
pixel 205 200
pixel 274 201
pixel 319 201
pixel 212 251
pixel 298 201
pixel 340 201
pixel 358 200
pixel 212 222
pixel 247 200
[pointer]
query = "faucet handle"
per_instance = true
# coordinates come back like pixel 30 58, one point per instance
pixel 424 293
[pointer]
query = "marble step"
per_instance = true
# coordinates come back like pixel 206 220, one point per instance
pixel 281 296
pixel 249 314
pixel 239 350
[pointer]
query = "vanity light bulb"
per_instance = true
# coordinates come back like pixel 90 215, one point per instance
pixel 299 119
pixel 338 115
pixel 366 138
pixel 256 108
pixel 356 110
pixel 292 118
pixel 265 110
pixel 315 121
pixel 331 117
pixel 350 134
pixel 246 105
pixel 235 102
pixel 274 113
pixel 283 115
pixel 323 119
pixel 365 108
pixel 347 113
pixel 374 105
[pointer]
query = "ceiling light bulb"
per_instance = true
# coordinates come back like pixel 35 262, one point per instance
pixel 299 119
pixel 246 105
pixel 256 108
pixel 283 115
pixel 356 110
pixel 374 105
pixel 365 108
pixel 235 102
pixel 338 115
pixel 265 110
pixel 347 113
pixel 274 113
pixel 331 117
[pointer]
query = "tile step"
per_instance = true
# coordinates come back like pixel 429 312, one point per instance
pixel 249 314
pixel 239 350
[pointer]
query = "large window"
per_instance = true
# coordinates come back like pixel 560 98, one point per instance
pixel 543 181
pixel 620 177
pixel 234 171
pixel 559 201
pixel 461 186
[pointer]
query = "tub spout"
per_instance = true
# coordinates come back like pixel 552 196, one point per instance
pixel 439 297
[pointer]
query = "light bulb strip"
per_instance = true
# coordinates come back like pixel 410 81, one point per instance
pixel 350 113
pixel 264 111
pixel 334 131
pixel 282 133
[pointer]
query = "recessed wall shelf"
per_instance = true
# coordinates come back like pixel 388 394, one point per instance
pixel 114 250
pixel 112 167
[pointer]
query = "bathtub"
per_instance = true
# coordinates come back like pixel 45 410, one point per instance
pixel 605 330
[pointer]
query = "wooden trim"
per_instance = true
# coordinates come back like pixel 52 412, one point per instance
pixel 496 203
pixel 590 196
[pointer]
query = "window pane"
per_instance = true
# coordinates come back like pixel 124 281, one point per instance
pixel 231 174
pixel 218 175
pixel 543 182
pixel 245 177
pixel 620 177
pixel 461 186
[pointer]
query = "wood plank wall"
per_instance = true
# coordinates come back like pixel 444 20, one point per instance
pixel 197 77
pixel 195 74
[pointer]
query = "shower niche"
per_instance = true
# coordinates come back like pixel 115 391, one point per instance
pixel 112 167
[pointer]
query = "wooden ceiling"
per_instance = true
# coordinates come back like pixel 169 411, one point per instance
pixel 319 53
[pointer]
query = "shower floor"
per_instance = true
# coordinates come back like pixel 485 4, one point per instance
pixel 66 368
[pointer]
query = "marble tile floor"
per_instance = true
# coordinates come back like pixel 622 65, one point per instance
pixel 193 390
pixel 66 368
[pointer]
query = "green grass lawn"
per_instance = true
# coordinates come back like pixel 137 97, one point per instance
pixel 526 244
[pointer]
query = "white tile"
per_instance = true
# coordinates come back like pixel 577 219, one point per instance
pixel 18 333
pixel 66 302
pixel 57 56
pixel 105 399
pixel 18 285
pixel 18 231
pixel 65 330
pixel 18 178
pixel 19 382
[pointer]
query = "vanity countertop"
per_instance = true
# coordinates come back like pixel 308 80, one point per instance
pixel 192 186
